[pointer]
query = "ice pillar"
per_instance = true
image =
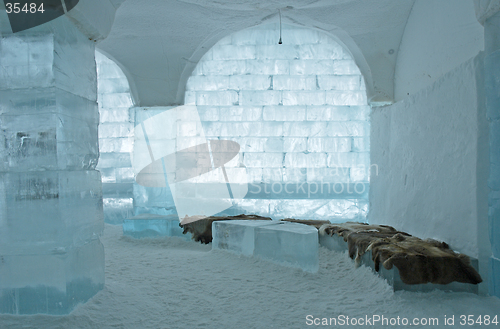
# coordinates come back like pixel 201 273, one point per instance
pixel 51 217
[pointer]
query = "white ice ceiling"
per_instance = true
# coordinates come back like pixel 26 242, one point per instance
pixel 159 42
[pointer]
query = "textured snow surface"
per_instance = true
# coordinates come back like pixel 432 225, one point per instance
pixel 171 283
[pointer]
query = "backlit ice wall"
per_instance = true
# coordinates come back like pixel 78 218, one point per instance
pixel 116 140
pixel 299 112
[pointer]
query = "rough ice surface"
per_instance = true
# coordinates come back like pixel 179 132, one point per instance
pixel 150 226
pixel 51 214
pixel 116 139
pixel 299 112
pixel 288 243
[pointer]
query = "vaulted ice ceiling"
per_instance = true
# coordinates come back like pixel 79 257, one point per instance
pixel 159 42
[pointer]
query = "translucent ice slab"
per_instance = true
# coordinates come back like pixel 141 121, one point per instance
pixel 290 243
pixel 237 235
pixel 149 226
pixel 47 129
pixel 52 282
pixel 293 244
pixel 43 210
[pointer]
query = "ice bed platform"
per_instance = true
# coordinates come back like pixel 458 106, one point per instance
pixel 291 244
pixel 337 243
pixel 151 226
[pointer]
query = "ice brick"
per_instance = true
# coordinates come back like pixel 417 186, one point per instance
pixel 249 82
pixel 302 160
pixel 152 196
pixel 328 144
pixel 339 82
pixel 52 281
pixel 64 60
pixel 287 82
pixel 305 129
pixel 117 115
pixel 338 113
pixel 346 129
pixel 288 243
pixel 220 98
pixel 263 160
pixel 284 113
pixel 151 225
pixel 117 209
pixel 276 51
pixel 52 142
pixel 213 83
pixel 116 145
pixel 350 159
pixel 240 113
pixel 110 160
pixel 228 52
pixel 115 100
pixel 345 98
pixel 304 98
pixel 321 51
pixel 237 236
pixel 115 130
pixel 271 67
pixel 267 97
pixel 295 144
pixel 48 209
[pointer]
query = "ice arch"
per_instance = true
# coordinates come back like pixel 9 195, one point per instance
pixel 116 139
pixel 299 112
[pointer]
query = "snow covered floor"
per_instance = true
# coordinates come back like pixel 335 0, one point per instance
pixel 171 283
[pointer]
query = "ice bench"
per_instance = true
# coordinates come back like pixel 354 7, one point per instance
pixel 287 243
pixel 337 243
pixel 150 226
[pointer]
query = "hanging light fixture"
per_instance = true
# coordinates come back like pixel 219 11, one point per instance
pixel 280 42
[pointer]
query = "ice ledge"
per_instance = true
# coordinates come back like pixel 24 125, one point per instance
pixel 285 243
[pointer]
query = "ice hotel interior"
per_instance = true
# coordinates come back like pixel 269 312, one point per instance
pixel 249 163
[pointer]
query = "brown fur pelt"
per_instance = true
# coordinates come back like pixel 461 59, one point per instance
pixel 422 261
pixel 310 222
pixel 418 261
pixel 202 228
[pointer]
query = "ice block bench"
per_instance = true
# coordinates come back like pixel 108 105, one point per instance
pixel 287 243
pixel 150 226
pixel 406 262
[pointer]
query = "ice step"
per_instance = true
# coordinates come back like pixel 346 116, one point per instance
pixel 287 243
pixel 337 243
pixel 150 226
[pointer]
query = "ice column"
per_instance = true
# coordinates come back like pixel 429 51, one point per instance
pixel 51 214
pixel 115 140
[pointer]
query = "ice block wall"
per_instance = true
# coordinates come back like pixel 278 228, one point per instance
pixel 50 193
pixel 299 112
pixel 116 140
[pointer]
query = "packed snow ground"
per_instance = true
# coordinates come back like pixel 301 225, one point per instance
pixel 172 283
